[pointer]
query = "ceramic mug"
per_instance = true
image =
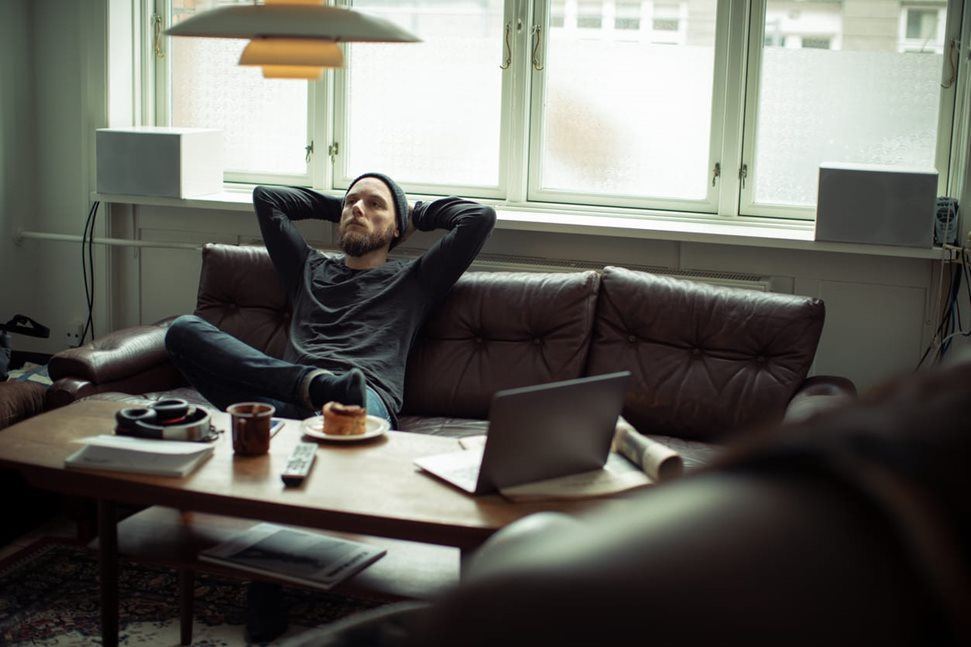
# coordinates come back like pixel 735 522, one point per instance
pixel 251 427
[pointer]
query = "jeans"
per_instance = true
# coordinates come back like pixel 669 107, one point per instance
pixel 225 370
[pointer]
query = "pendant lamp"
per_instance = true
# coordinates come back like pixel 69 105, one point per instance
pixel 292 39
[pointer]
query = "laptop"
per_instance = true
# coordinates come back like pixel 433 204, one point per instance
pixel 538 432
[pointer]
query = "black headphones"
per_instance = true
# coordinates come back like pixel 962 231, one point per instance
pixel 171 419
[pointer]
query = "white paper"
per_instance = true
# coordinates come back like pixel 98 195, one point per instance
pixel 146 445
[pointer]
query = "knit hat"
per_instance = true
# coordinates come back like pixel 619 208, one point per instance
pixel 398 196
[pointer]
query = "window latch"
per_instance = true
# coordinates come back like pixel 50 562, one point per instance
pixel 742 174
pixel 716 173
pixel 332 150
pixel 507 61
pixel 310 151
pixel 157 37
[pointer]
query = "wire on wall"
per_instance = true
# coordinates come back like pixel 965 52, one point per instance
pixel 87 270
pixel 950 324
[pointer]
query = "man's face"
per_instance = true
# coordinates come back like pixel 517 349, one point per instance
pixel 367 219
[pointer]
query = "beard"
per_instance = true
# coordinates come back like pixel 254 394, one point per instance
pixel 355 243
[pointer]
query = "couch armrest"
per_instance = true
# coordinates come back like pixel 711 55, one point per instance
pixel 131 360
pixel 816 394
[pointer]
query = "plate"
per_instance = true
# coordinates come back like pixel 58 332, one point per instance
pixel 373 427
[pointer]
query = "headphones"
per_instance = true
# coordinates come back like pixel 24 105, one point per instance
pixel 171 419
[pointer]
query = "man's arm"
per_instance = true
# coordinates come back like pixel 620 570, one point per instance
pixel 276 208
pixel 469 225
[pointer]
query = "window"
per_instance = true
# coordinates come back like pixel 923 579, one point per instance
pixel 660 106
pixel 589 14
pixel 427 113
pixel 265 122
pixel 858 102
pixel 625 118
pixel 557 13
pixel 922 29
pixel 627 14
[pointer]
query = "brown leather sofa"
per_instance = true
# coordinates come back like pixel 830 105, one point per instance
pixel 706 361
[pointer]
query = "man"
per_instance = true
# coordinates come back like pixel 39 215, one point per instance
pixel 354 317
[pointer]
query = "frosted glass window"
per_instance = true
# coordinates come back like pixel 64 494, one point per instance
pixel 428 112
pixel 264 121
pixel 859 102
pixel 629 118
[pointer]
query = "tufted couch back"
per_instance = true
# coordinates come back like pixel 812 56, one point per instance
pixel 704 360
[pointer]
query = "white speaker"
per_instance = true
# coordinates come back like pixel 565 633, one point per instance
pixel 880 205
pixel 167 162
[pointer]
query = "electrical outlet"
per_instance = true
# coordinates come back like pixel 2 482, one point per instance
pixel 74 331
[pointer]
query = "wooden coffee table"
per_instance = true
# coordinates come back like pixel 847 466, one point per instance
pixel 369 488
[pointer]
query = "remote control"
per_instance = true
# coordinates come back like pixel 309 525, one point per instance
pixel 298 465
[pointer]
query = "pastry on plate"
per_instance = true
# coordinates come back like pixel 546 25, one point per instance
pixel 344 419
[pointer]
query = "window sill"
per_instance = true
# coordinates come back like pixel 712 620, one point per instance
pixel 701 228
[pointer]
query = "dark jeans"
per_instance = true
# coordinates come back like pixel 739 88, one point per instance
pixel 225 370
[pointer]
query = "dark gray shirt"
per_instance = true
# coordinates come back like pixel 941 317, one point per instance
pixel 345 318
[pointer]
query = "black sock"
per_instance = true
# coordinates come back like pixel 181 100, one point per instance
pixel 348 388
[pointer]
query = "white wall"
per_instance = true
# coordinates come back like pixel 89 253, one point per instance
pixel 17 128
pixel 877 307
pixel 63 62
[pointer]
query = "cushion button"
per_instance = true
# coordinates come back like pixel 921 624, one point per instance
pixel 478 340
pixel 537 341
pixel 632 339
pixel 696 352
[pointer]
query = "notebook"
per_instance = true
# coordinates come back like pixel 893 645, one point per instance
pixel 538 432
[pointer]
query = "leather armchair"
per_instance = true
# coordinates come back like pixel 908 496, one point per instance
pixel 850 529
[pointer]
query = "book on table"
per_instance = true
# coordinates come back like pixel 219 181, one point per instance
pixel 308 558
pixel 139 455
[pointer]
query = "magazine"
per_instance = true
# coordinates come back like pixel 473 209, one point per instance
pixel 308 558
pixel 139 455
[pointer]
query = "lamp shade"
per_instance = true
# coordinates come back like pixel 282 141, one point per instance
pixel 292 21
pixel 292 51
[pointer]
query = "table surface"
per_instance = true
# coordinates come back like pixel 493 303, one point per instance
pixel 371 487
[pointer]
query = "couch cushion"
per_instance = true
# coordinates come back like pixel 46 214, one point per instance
pixel 499 330
pixel 19 401
pixel 705 360
pixel 239 292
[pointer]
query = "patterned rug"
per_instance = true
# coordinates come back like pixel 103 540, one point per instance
pixel 49 596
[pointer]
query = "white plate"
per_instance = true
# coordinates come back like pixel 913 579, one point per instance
pixel 373 427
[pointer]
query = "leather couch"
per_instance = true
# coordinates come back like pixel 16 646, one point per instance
pixel 706 361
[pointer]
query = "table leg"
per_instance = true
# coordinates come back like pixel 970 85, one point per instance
pixel 108 560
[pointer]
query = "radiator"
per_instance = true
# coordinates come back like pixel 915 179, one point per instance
pixel 504 263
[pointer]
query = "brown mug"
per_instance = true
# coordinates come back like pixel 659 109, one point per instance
pixel 251 427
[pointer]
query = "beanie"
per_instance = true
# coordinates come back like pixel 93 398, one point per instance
pixel 397 195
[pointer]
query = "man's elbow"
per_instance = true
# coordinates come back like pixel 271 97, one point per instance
pixel 262 195
pixel 488 217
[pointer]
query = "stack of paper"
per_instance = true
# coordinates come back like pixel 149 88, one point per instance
pixel 139 455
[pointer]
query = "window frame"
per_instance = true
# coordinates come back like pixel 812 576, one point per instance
pixel 534 173
pixel 739 38
pixel 163 111
pixel 747 205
